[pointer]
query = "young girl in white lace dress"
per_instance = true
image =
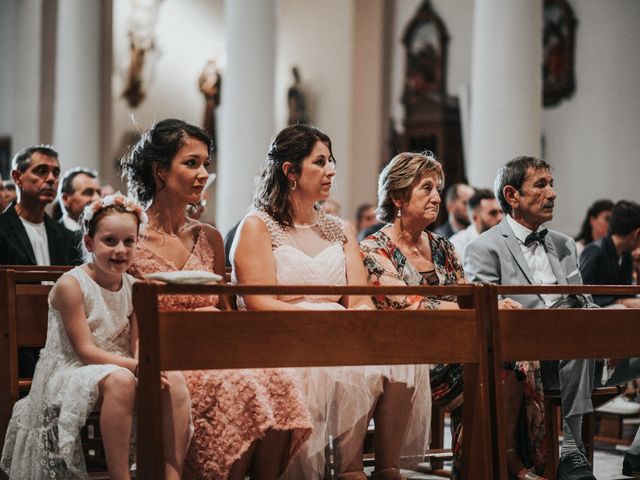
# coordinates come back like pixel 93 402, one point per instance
pixel 89 360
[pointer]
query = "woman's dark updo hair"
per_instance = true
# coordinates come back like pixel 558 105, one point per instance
pixel 292 144
pixel 599 206
pixel 158 145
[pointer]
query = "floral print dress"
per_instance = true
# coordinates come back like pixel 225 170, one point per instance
pixel 387 265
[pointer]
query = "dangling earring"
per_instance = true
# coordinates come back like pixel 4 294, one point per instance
pixel 293 184
pixel 399 214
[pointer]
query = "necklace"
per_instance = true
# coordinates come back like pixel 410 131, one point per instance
pixel 415 250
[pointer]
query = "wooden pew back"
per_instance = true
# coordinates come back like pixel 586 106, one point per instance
pixel 190 340
pixel 552 334
pixel 23 323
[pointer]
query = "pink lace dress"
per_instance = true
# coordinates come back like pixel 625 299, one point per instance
pixel 230 408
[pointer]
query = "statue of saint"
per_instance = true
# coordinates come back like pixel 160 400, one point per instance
pixel 297 105
pixel 210 83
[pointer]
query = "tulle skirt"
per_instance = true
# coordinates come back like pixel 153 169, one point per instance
pixel 339 398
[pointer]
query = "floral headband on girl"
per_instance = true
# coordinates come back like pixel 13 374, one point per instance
pixel 115 200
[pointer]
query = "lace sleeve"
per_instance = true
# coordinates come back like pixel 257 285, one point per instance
pixel 332 228
pixel 278 237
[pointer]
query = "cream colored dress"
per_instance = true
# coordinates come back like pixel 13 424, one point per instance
pixel 338 397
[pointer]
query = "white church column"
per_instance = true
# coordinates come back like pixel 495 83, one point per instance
pixel 76 120
pixel 246 109
pixel 24 65
pixel 506 85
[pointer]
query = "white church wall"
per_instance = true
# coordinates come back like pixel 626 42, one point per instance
pixel 318 38
pixel 592 139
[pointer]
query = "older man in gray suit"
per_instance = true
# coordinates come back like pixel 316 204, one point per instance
pixel 520 251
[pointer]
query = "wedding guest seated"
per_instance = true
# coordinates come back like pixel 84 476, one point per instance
pixel 10 193
pixel 520 251
pixel 4 195
pixel 28 236
pixel 289 240
pixel 78 188
pixel 608 261
pixel 484 212
pixel 90 358
pixel 595 224
pixel 457 198
pixel 244 419
pixel 365 217
pixel 403 253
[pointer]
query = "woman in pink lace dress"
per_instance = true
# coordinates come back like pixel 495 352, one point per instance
pixel 289 240
pixel 244 420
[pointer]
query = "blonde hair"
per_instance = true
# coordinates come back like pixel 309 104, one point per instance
pixel 400 176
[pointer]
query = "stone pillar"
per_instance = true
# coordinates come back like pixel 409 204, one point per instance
pixel 76 119
pixel 506 85
pixel 24 103
pixel 246 119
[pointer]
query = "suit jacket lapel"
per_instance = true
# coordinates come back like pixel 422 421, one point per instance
pixel 514 247
pixel 20 233
pixel 561 276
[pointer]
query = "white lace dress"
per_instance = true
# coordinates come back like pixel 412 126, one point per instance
pixel 337 397
pixel 43 438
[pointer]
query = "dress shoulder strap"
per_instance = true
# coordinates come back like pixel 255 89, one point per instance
pixel 276 231
pixel 332 228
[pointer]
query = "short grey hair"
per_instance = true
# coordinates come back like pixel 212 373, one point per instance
pixel 400 175
pixel 22 159
pixel 513 173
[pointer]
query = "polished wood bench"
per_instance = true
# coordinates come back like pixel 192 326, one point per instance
pixel 551 334
pixel 191 340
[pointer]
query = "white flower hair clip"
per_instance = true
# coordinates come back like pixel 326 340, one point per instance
pixel 118 200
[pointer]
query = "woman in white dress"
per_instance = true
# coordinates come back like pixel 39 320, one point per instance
pixel 288 239
pixel 90 358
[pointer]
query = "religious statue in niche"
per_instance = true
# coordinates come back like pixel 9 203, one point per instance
pixel 425 42
pixel 431 116
pixel 296 101
pixel 423 72
pixel 141 49
pixel 210 83
pixel 558 51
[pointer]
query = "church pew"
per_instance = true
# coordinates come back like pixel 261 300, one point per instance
pixel 191 340
pixel 551 334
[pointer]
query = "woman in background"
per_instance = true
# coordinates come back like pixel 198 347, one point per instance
pixel 595 224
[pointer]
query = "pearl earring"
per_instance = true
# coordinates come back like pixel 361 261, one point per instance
pixel 399 214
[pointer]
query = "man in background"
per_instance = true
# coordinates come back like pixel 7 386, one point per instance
pixel 456 199
pixel 608 261
pixel 484 212
pixel 78 188
pixel 28 236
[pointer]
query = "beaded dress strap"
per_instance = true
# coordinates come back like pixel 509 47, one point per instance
pixel 331 228
pixel 278 237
